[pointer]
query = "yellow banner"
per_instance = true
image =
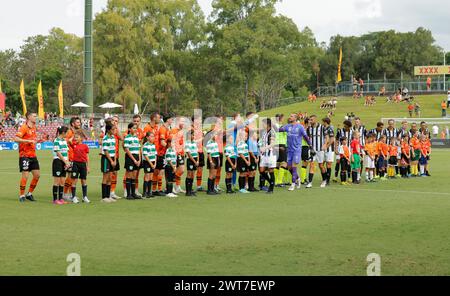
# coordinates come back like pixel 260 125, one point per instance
pixel 22 95
pixel 339 76
pixel 1 86
pixel 431 70
pixel 61 100
pixel 40 101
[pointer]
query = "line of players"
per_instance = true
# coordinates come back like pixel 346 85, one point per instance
pixel 382 152
pixel 160 150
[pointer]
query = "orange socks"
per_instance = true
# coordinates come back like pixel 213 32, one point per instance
pixel 160 183
pixel 33 185
pixel 218 174
pixel 23 185
pixel 177 179
pixel 155 182
pixel 199 177
pixel 113 182
pixel 67 185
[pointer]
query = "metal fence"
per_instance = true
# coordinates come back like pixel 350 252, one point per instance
pixel 419 86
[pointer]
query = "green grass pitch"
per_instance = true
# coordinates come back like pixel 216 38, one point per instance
pixel 308 232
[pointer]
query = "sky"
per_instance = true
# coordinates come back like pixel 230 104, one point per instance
pixel 22 18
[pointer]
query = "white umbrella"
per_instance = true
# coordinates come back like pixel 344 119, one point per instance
pixel 136 109
pixel 80 105
pixel 110 106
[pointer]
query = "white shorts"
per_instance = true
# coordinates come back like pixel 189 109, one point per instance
pixel 268 162
pixel 319 157
pixel 338 157
pixel 329 156
pixel 369 163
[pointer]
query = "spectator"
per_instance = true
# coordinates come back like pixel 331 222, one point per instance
pixel 410 109
pixel 417 109
pixel 444 109
pixel 448 99
pixel 435 131
pixel 429 83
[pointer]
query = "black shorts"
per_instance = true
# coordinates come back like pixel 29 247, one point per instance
pixel 160 163
pixel 201 160
pixel 180 160
pixel 404 159
pixel 191 165
pixel 105 165
pixel 393 160
pixel 147 167
pixel 79 170
pixel 216 162
pixel 253 165
pixel 306 156
pixel 221 160
pixel 130 166
pixel 282 154
pixel 28 164
pixel 242 166
pixel 117 167
pixel 344 163
pixel 58 168
pixel 228 167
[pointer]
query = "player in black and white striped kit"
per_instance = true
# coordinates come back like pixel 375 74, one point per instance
pixel 268 163
pixel 316 133
pixel 390 132
pixel 377 132
pixel 328 147
pixel 358 127
pixel 346 132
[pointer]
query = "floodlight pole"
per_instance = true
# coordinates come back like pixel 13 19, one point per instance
pixel 88 56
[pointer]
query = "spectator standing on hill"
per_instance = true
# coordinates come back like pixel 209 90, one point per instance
pixel 410 109
pixel 444 109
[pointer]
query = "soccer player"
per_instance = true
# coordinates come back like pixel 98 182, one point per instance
pixel 369 158
pixel 192 163
pixel 393 157
pixel 80 167
pixel 377 132
pixel 108 161
pixel 170 166
pixel 60 165
pixel 344 159
pixel 424 155
pixel 415 155
pixel 75 127
pixel 253 150
pixel 243 162
pixel 230 163
pixel 212 149
pixel 405 156
pixel 345 132
pixel 328 148
pixel 177 136
pixel 281 142
pixel 392 133
pixel 132 148
pixel 306 157
pixel 355 148
pixel 316 133
pixel 383 150
pixel 162 147
pixel 137 119
pixel 119 137
pixel 295 134
pixel 359 127
pixel 154 127
pixel 28 162
pixel 149 156
pixel 197 125
pixel 268 158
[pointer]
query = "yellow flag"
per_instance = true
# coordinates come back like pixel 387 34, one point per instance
pixel 40 101
pixel 339 75
pixel 22 95
pixel 1 86
pixel 61 100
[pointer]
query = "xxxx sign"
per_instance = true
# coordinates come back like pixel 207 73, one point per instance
pixel 431 70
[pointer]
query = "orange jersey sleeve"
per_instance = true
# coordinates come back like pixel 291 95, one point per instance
pixel 27 149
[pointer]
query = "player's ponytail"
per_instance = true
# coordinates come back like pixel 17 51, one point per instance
pixel 61 130
pixel 130 126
